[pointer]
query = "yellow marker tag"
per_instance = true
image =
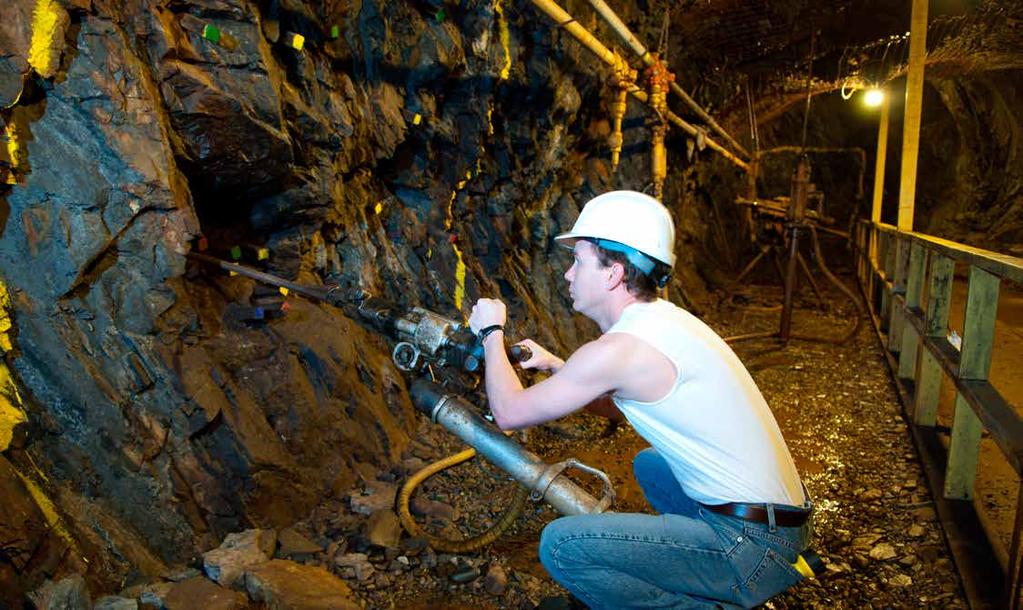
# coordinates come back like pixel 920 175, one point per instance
pixel 379 207
pixel 297 41
pixel 283 290
pixel 461 184
pixel 803 568
pixel 468 175
pixel 417 119
pixel 262 254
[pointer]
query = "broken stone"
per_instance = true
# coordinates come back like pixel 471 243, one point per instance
pixel 384 529
pixel 154 594
pixel 184 574
pixel 868 540
pixel 283 584
pixel 293 543
pixel 376 496
pixel 424 507
pixel 200 592
pixel 871 495
pixel 111 602
pixel 226 564
pixel 496 580
pixel 900 580
pixel 357 563
pixel 465 574
pixel 67 594
pixel 882 552
pixel 916 530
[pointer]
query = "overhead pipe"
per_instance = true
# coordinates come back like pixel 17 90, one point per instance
pixel 648 60
pixel 588 40
pixel 545 481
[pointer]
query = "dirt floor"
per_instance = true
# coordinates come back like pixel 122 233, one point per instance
pixel 876 528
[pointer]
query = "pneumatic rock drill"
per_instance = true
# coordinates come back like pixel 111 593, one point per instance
pixel 446 358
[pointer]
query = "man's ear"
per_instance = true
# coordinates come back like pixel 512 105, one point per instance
pixel 615 275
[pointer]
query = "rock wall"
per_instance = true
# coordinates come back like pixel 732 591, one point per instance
pixel 425 151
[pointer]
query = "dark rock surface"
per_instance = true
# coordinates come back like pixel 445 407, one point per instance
pixel 396 154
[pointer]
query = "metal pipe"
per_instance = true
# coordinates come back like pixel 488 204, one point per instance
pixel 566 21
pixel 640 49
pixel 464 421
pixel 790 285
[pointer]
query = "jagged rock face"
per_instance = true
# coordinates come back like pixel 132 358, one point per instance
pixel 425 151
pixel 974 187
pixel 389 156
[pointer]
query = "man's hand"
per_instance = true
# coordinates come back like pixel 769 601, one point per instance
pixel 542 359
pixel 487 312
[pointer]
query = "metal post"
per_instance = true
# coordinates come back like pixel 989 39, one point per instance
pixel 790 284
pixel 879 169
pixel 911 118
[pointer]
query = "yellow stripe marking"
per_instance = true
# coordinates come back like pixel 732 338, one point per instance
pixel 44 52
pixel 502 26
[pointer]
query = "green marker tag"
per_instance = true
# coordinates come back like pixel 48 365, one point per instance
pixel 236 252
pixel 211 33
pixel 335 31
pixel 439 16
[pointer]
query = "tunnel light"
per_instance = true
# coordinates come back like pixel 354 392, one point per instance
pixel 873 97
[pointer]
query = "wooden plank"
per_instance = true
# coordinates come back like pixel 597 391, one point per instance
pixel 914 286
pixel 928 379
pixel 896 322
pixel 1002 265
pixel 963 451
pixel 999 418
pixel 887 264
pixel 974 364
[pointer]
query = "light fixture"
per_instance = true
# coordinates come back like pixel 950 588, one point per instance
pixel 873 97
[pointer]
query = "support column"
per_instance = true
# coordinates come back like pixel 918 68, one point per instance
pixel 911 118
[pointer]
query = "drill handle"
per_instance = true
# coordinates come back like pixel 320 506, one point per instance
pixel 519 353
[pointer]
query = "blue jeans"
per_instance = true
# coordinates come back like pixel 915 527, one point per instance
pixel 685 557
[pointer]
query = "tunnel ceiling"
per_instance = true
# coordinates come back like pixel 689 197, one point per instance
pixel 425 151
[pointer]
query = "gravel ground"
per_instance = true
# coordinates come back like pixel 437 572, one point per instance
pixel 876 528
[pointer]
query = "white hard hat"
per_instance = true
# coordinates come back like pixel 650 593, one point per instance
pixel 629 218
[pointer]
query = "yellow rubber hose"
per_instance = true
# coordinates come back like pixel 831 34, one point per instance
pixel 456 546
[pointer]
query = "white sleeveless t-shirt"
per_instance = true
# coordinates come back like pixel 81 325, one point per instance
pixel 714 428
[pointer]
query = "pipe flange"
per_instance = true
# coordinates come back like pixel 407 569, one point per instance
pixel 551 472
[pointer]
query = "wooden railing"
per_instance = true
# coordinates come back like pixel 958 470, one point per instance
pixel 907 279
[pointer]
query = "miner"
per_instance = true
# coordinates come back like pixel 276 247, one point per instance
pixel 733 514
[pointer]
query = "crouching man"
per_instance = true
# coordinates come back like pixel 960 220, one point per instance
pixel 733 514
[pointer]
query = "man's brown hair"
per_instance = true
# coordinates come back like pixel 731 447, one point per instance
pixel 639 284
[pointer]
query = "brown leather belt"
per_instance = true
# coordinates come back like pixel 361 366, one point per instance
pixel 783 516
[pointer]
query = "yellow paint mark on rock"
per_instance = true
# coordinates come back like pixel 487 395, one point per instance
pixel 379 208
pixel 502 27
pixel 11 153
pixel 49 22
pixel 459 277
pixel 283 290
pixel 451 207
pixel 11 411
pixel 47 508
